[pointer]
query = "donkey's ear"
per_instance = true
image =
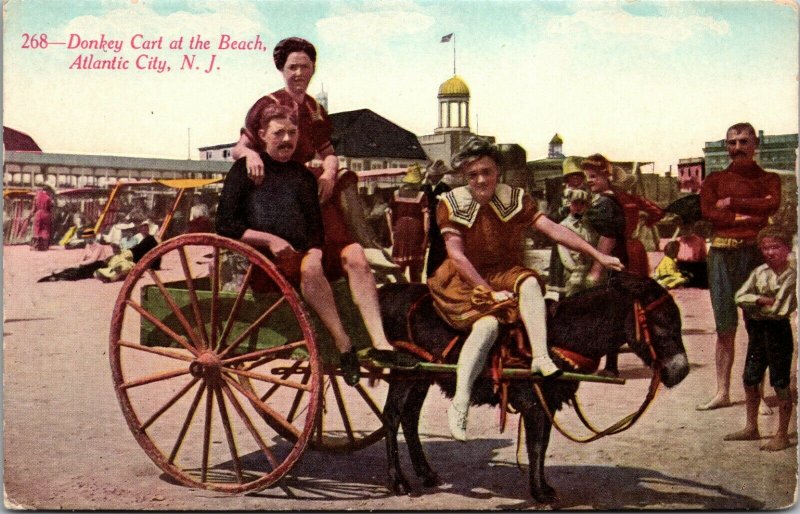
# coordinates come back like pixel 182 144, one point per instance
pixel 615 279
pixel 628 282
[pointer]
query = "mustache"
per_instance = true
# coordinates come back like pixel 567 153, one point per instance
pixel 285 146
pixel 739 152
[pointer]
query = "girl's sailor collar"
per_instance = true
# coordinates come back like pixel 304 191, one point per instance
pixel 463 209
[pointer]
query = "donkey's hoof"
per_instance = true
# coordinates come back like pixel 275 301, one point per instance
pixel 431 480
pixel 399 486
pixel 545 494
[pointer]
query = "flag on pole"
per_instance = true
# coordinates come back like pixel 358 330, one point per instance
pixel 447 38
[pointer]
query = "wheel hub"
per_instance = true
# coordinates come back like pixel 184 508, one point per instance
pixel 206 366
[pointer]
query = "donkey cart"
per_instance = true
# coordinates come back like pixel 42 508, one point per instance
pixel 223 375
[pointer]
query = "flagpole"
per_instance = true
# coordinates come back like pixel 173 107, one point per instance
pixel 454 53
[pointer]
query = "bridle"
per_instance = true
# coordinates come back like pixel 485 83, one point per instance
pixel 642 335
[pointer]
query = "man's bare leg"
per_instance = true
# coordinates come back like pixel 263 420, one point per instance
pixel 724 362
pixel 780 440
pixel 365 293
pixel 317 292
pixel 750 431
pixel 763 407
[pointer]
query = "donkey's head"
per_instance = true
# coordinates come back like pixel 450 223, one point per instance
pixel 653 326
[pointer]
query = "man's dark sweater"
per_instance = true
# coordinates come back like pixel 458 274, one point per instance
pixel 285 204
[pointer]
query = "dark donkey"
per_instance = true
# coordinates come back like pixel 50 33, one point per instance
pixel 591 324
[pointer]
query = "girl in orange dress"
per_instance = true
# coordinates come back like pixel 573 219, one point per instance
pixel 483 282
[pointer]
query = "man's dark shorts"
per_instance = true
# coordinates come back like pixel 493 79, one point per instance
pixel 728 269
pixel 770 344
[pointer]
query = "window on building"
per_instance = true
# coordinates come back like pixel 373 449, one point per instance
pixel 376 166
pixel 226 154
pixel 356 166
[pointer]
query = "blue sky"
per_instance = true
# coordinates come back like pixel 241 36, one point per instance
pixel 632 80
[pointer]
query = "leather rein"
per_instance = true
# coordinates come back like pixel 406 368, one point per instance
pixel 642 331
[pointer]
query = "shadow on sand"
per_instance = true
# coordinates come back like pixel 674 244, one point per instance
pixel 360 476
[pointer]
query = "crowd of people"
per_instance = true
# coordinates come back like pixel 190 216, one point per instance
pixel 473 237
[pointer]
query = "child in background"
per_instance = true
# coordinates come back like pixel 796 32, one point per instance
pixel 574 180
pixel 768 299
pixel 667 273
pixel 576 265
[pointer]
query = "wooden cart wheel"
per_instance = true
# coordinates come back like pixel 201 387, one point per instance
pixel 350 417
pixel 193 359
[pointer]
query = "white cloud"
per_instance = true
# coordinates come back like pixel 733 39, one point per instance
pixel 373 23
pixel 605 19
pixel 239 19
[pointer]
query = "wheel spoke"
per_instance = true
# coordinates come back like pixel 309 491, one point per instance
pixel 193 294
pixel 250 427
pixel 337 393
pixel 207 433
pixel 186 423
pixel 253 326
pixel 214 299
pixel 158 351
pixel 267 378
pixel 166 375
pixel 258 354
pixel 276 421
pixel 369 401
pixel 237 304
pixel 161 326
pixel 169 403
pixel 187 327
pixel 285 375
pixel 297 398
pixel 226 424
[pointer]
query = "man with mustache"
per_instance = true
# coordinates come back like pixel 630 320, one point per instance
pixel 738 202
pixel 281 216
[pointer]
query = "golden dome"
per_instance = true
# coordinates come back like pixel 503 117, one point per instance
pixel 454 86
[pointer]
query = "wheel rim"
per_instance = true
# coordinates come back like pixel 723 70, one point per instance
pixel 198 385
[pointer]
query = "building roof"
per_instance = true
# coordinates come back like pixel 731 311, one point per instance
pixel 454 86
pixel 216 147
pixel 556 140
pixel 383 172
pixel 362 133
pixel 16 141
pixel 115 162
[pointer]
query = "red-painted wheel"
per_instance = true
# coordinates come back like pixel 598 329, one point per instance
pixel 203 361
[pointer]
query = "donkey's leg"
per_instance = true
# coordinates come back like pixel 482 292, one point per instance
pixel 410 420
pixel 537 438
pixel 392 413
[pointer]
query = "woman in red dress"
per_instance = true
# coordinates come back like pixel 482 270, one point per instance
pixel 408 218
pixel 42 220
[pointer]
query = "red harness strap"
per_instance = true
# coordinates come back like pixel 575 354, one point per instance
pixel 576 360
pixel 413 347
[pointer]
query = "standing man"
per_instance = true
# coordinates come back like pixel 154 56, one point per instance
pixel 738 202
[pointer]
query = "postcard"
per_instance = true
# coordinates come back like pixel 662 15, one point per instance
pixel 399 255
